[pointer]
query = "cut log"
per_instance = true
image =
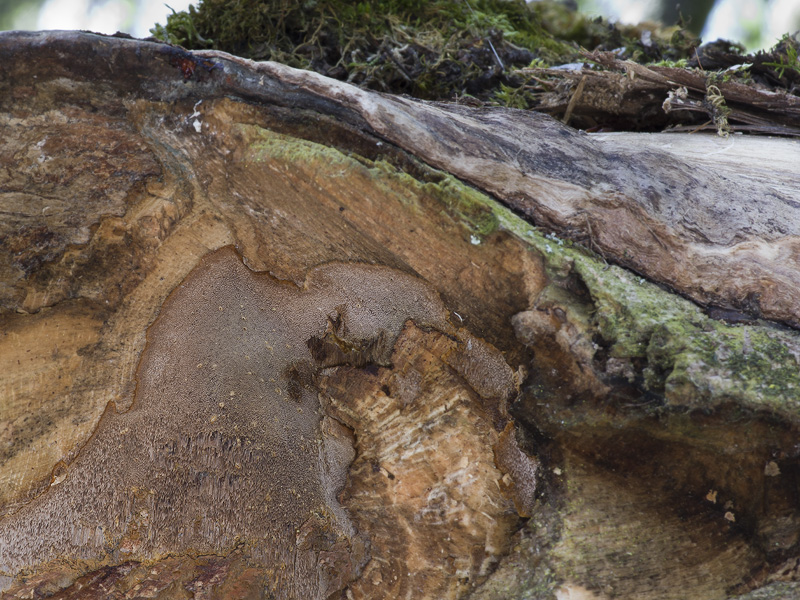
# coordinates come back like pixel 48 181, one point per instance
pixel 265 334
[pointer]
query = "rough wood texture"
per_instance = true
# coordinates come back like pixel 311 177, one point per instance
pixel 488 409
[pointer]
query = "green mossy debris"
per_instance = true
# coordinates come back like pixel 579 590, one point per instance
pixel 680 354
pixel 500 52
pixel 430 49
pixel 688 358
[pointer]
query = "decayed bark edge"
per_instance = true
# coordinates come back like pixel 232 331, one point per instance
pixel 650 211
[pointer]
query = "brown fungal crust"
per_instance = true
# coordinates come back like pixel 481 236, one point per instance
pixel 226 445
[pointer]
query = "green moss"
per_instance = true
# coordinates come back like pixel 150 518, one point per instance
pixel 430 49
pixel 786 52
pixel 691 359
pixel 269 145
pixel 674 64
pixel 457 50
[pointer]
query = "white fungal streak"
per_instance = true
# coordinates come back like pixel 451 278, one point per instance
pixel 198 124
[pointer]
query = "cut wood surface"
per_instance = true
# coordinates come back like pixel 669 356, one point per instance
pixel 266 334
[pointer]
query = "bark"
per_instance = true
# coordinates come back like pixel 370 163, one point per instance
pixel 265 334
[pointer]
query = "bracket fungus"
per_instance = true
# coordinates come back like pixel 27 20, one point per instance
pixel 227 444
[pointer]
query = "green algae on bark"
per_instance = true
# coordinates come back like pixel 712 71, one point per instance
pixel 690 359
pixel 465 205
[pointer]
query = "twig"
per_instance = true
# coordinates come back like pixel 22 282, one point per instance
pixel 574 100
pixel 703 126
pixel 699 64
pixel 491 45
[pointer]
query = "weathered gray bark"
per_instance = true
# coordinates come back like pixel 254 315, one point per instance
pixel 260 338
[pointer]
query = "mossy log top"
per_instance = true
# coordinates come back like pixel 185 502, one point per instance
pixel 375 347
pixel 502 51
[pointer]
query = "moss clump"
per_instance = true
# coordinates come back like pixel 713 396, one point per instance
pixel 431 49
pixel 782 63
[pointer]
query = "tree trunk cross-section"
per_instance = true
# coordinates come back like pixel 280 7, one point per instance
pixel 264 334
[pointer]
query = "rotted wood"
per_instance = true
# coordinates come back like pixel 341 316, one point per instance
pixel 649 210
pixel 260 339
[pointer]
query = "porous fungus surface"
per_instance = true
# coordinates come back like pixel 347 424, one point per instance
pixel 226 444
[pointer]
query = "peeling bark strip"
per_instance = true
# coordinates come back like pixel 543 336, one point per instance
pixel 725 240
